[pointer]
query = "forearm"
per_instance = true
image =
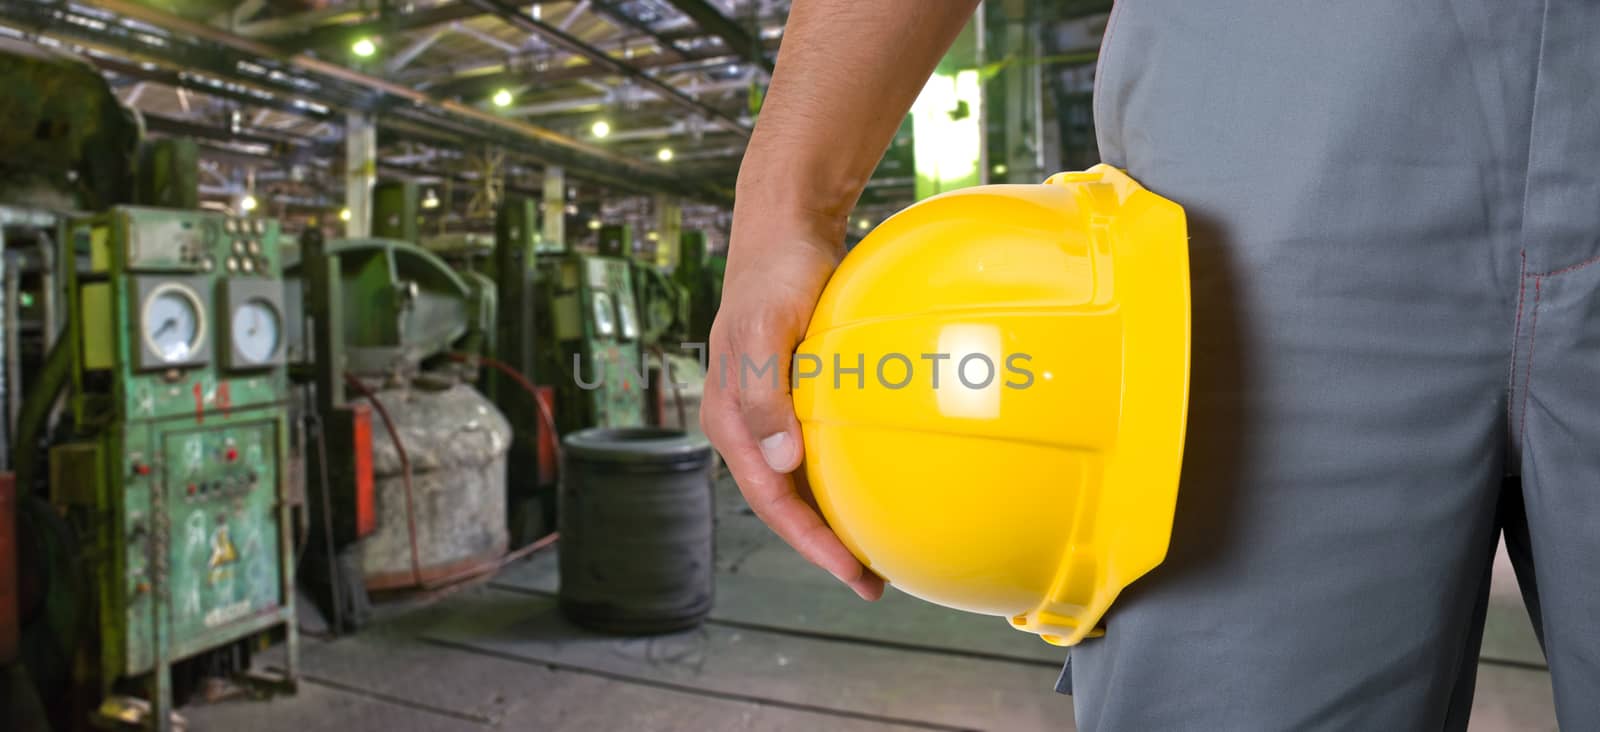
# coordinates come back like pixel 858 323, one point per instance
pixel 847 73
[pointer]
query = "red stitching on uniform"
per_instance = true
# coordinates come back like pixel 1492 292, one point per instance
pixel 1533 338
pixel 1516 342
pixel 1572 268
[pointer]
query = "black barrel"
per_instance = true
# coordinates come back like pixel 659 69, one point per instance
pixel 636 538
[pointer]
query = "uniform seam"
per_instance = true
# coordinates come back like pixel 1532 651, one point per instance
pixel 1516 339
pixel 1533 340
pixel 1533 126
pixel 1569 268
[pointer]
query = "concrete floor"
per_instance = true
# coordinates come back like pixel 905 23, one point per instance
pixel 786 649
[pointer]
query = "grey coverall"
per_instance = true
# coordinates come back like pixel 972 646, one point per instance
pixel 1394 211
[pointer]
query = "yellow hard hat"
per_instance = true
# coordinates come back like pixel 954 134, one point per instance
pixel 993 390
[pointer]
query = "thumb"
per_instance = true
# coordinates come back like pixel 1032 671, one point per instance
pixel 767 409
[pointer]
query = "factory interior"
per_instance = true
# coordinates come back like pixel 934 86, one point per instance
pixel 340 337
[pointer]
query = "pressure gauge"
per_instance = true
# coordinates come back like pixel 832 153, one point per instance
pixel 255 323
pixel 627 319
pixel 604 325
pixel 255 329
pixel 172 324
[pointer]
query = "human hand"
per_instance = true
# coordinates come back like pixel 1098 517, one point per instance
pixel 775 274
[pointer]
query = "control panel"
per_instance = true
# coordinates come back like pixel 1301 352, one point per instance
pixel 594 323
pixel 179 379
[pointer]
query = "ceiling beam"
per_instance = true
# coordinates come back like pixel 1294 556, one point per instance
pixel 279 142
pixel 629 98
pixel 341 89
pixel 622 19
pixel 514 16
pixel 380 25
pixel 185 27
pixel 477 83
pixel 176 80
pixel 714 22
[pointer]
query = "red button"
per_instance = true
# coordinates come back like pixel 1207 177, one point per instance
pixel 192 488
pixel 231 454
pixel 141 468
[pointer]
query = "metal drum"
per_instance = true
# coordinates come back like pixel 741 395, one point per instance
pixel 636 538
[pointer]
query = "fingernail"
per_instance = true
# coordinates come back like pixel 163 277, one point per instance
pixel 777 451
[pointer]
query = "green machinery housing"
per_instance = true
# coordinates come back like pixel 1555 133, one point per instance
pixel 604 315
pixel 593 332
pixel 700 276
pixel 176 483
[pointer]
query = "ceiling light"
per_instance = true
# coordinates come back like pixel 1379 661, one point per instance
pixel 248 203
pixel 594 224
pixel 863 224
pixel 502 98
pixel 431 200
pixel 600 128
pixel 364 47
pixel 652 236
pixel 664 155
pixel 344 214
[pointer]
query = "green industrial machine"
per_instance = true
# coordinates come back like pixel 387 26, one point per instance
pixel 591 335
pixel 663 307
pixel 504 266
pixel 377 322
pixel 175 480
pixel 701 280
pixel 396 211
pixel 65 140
pixel 530 471
pixel 169 172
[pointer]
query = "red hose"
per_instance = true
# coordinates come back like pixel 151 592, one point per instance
pixel 677 394
pixel 533 393
pixel 549 423
pixel 405 471
pixel 405 468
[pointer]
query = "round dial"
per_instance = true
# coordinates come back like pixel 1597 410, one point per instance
pixel 173 323
pixel 255 331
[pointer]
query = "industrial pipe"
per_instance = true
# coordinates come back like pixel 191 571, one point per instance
pixel 36 413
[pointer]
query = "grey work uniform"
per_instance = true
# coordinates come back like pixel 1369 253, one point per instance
pixel 1394 210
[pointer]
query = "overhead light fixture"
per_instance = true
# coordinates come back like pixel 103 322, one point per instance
pixel 664 155
pixel 344 214
pixel 594 224
pixel 502 98
pixel 248 203
pixel 600 128
pixel 430 200
pixel 364 47
pixel 652 236
pixel 999 169
pixel 572 209
pixel 863 224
